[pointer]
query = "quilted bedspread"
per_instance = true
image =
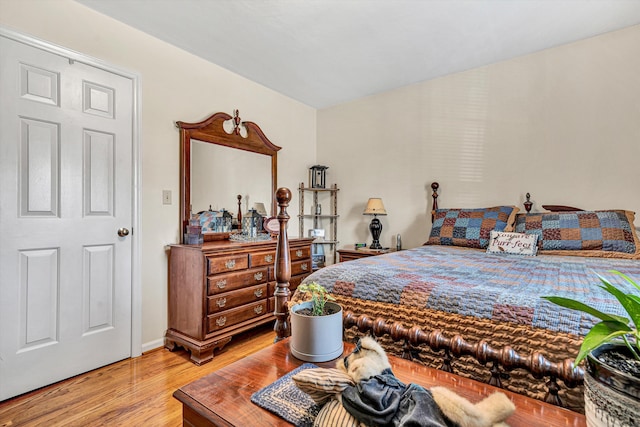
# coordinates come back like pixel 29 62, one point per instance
pixel 469 282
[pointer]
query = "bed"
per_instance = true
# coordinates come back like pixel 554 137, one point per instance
pixel 453 304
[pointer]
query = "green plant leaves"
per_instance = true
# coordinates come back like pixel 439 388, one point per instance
pixel 319 297
pixel 630 302
pixel 611 326
pixel 601 333
pixel 625 277
pixel 577 305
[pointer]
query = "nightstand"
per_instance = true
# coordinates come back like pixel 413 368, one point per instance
pixel 351 254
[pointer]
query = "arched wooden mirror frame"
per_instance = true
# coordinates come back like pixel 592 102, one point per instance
pixel 211 130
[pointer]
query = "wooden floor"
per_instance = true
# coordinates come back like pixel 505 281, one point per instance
pixel 134 392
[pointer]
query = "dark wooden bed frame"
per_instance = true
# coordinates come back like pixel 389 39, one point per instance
pixel 500 359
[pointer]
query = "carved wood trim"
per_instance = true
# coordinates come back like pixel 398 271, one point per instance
pixel 528 203
pixel 212 130
pixel 505 357
pixel 434 187
pixel 560 208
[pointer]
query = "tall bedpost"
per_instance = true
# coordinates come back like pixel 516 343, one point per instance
pixel 434 187
pixel 282 268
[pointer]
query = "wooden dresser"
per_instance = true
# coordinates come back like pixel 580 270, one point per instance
pixel 221 288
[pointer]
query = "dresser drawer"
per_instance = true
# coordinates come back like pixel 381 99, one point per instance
pixel 259 259
pixel 268 258
pixel 300 253
pixel 218 321
pixel 228 282
pixel 297 268
pixel 227 263
pixel 301 267
pixel 227 300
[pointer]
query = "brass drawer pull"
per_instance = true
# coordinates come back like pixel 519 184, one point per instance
pixel 268 258
pixel 257 309
pixel 221 284
pixel 304 266
pixel 299 253
pixel 220 321
pixel 230 263
pixel 221 302
pixel 257 293
pixel 258 276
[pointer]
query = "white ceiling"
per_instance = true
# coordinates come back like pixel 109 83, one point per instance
pixel 326 52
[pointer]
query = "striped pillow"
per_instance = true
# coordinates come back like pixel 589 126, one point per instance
pixel 333 414
pixel 322 383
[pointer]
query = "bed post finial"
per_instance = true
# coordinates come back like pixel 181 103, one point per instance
pixel 434 187
pixel 282 268
pixel 236 122
pixel 528 203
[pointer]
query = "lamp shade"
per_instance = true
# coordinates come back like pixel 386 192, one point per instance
pixel 374 207
pixel 260 208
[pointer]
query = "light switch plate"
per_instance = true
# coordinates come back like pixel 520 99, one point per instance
pixel 166 197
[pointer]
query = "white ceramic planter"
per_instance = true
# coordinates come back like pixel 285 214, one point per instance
pixel 611 397
pixel 316 338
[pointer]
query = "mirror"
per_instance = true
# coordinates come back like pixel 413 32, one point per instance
pixel 219 174
pixel 221 158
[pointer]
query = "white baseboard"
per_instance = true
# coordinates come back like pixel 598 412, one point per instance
pixel 152 345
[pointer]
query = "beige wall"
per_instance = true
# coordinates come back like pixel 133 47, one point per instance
pixel 175 86
pixel 562 124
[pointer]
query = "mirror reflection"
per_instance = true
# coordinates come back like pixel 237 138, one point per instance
pixel 219 174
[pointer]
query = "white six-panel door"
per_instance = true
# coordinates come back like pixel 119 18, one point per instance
pixel 65 191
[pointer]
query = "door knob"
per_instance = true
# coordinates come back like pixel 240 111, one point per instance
pixel 122 232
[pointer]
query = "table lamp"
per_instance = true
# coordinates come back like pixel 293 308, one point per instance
pixel 260 208
pixel 375 208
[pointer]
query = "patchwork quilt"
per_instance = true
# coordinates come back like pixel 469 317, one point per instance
pixel 475 283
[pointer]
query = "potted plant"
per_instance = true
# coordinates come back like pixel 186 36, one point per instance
pixel 612 352
pixel 316 325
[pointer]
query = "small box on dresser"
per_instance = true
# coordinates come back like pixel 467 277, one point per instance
pixel 222 288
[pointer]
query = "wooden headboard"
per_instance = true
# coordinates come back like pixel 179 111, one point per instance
pixel 527 204
pixel 560 208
